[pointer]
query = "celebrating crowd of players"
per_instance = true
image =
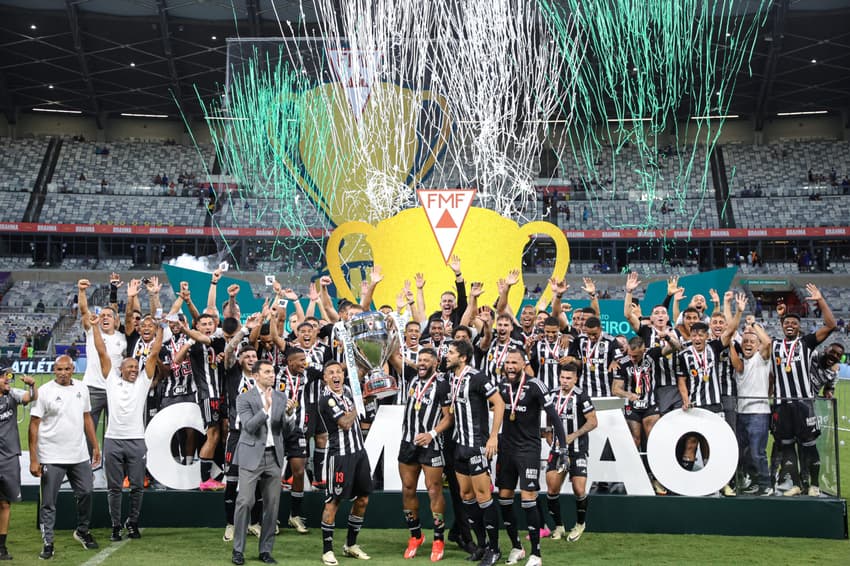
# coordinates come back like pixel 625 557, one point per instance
pixel 279 401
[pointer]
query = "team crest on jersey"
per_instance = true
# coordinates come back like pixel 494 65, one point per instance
pixel 331 403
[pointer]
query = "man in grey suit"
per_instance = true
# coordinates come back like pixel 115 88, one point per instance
pixel 266 416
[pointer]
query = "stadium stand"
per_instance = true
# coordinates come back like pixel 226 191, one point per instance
pixel 20 161
pixel 130 166
pixel 781 169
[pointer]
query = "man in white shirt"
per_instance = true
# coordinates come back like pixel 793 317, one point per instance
pixel 124 444
pixel 752 375
pixel 60 424
pixel 116 347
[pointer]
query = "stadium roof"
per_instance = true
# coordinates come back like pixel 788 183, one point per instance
pixel 106 57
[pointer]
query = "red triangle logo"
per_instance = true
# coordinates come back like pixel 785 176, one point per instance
pixel 446 221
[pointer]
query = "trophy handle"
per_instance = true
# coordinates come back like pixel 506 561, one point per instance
pixel 332 254
pixel 562 249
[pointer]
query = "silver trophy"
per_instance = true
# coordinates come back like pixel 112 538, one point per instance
pixel 375 338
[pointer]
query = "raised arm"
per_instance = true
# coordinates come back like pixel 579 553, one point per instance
pixel 460 285
pixel 114 283
pixel 715 300
pixel 589 287
pixel 83 302
pixel 153 358
pixel 475 291
pixel 504 287
pixel 211 294
pixel 558 311
pixel 420 298
pixel 132 305
pixel 632 283
pixel 153 287
pixel 375 277
pixel 732 325
pixel 100 345
pixel 187 299
pixel 829 323
pixel 328 310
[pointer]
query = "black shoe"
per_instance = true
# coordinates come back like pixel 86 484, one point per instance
pixel 132 530
pixel 476 555
pixel 490 558
pixel 237 558
pixel 266 558
pixel 752 489
pixel 4 553
pixel 116 534
pixel 46 552
pixel 468 546
pixel 86 540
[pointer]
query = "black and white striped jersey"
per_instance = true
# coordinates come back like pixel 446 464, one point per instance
pixel 595 358
pixel 572 409
pixel 205 367
pixel 331 408
pixel 235 383
pixel 295 386
pixel 640 379
pixel 469 393
pixel 701 372
pixel 271 354
pixel 666 375
pixel 316 358
pixel 791 361
pixel 493 364
pixel 424 407
pixel 179 380
pixel 544 362
pixel 728 385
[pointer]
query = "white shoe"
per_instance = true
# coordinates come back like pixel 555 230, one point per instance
pixel 515 555
pixel 814 491
pixel 795 490
pixel 254 530
pixel 297 523
pixel 355 551
pixel 228 533
pixel 534 560
pixel 559 533
pixel 576 532
pixel 329 559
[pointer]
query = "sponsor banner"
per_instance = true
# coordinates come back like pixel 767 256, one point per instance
pixel 736 233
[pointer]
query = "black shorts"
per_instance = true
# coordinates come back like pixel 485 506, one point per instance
pixel 668 398
pixel 348 476
pixel 211 411
pixel 295 445
pixel 470 461
pixel 174 399
pixel 638 415
pixel 10 480
pixel 409 453
pixel 314 425
pixel 231 469
pixel 578 464
pixel 518 467
pixel 797 421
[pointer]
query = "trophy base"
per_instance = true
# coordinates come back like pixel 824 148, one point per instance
pixel 380 386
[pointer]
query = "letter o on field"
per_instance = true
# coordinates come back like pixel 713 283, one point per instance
pixel 723 452
pixel 161 464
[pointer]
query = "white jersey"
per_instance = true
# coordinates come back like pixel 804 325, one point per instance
pixel 126 402
pixel 116 347
pixel 61 436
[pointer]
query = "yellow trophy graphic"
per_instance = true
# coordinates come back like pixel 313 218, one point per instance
pixel 488 244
